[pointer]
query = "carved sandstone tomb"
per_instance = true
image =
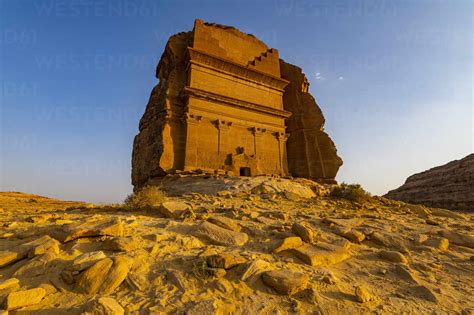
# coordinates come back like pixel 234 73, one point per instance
pixel 226 103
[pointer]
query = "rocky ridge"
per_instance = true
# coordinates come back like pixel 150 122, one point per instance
pixel 450 186
pixel 268 248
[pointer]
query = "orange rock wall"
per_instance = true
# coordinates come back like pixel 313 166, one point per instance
pixel 223 106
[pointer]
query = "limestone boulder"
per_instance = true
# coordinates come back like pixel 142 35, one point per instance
pixel 101 227
pixel 90 280
pixel 220 236
pixel 24 298
pixel 285 281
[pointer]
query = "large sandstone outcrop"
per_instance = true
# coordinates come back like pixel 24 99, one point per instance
pixel 311 152
pixel 226 103
pixel 449 186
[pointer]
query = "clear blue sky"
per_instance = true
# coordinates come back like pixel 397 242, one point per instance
pixel 394 80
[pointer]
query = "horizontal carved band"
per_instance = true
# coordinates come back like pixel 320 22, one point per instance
pixel 235 102
pixel 237 70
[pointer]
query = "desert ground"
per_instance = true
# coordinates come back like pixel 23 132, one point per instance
pixel 216 245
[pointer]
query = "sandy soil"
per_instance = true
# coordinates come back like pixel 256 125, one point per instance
pixel 336 256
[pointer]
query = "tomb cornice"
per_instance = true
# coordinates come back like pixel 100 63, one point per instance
pixel 234 69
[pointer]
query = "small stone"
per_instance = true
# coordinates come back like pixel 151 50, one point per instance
pixel 45 244
pixel 305 231
pixel 24 298
pixel 216 272
pixel 255 268
pixel 354 236
pixel 107 306
pixel 117 274
pixel 223 285
pixel 424 292
pixel 457 238
pixel 10 283
pixel 289 243
pixel 225 260
pixel 329 277
pixel 439 243
pixel 173 209
pixel 393 256
pixel 176 278
pixel 321 256
pixel 67 276
pixel 225 222
pixel 285 281
pixel 63 222
pixel 362 294
pixel 220 236
pixel 91 280
pixel 49 288
pixel 431 222
pixel 7 257
pixel 292 196
pixel 86 260
pixel 122 244
pixel 405 273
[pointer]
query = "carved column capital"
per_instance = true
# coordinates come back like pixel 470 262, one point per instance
pixel 192 118
pixel 222 124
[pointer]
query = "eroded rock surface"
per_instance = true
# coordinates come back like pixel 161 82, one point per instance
pixel 449 186
pixel 264 253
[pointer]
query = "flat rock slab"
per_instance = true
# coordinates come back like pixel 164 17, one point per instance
pixel 457 238
pixel 321 256
pixel 117 274
pixel 90 281
pixel 8 257
pixel 225 260
pixel 24 298
pixel 255 268
pixel 285 281
pixel 393 256
pixel 42 245
pixel 104 227
pixel 225 222
pixel 173 209
pixel 86 260
pixel 220 236
pixel 10 283
pixel 289 243
pixel 122 244
pixel 305 231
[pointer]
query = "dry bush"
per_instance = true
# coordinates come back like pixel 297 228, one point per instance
pixel 147 197
pixel 352 192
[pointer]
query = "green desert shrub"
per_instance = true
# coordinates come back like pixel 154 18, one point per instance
pixel 352 192
pixel 148 196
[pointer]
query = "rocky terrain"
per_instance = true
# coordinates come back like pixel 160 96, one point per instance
pixel 449 186
pixel 244 246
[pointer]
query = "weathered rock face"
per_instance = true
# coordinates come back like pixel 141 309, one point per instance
pixel 227 104
pixel 449 186
pixel 311 152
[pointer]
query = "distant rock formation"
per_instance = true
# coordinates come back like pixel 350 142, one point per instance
pixel 450 186
pixel 227 104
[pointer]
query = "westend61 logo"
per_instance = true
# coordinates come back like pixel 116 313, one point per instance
pixel 99 8
pixel 335 8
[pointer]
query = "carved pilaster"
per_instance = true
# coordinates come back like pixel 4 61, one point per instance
pixel 192 131
pixel 282 137
pixel 257 133
pixel 222 135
